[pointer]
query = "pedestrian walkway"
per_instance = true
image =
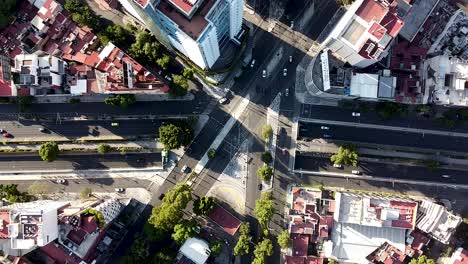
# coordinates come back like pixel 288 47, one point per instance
pixel 142 96
pixel 149 145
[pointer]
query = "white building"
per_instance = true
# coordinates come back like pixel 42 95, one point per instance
pixel 363 35
pixel 25 226
pixel 435 220
pixel 39 72
pixel 194 249
pixel 373 86
pixel 110 209
pixel 199 29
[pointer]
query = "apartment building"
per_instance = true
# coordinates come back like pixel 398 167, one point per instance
pixel 199 29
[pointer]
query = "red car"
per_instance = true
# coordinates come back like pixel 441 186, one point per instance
pixel 6 134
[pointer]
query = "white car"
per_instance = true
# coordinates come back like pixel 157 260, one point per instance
pixel 119 190
pixel 355 172
pixel 356 114
pixel 445 176
pixel 223 100
pixel 184 169
pixel 168 78
pixel 286 92
pixel 324 128
pixel 264 73
pixel 337 165
pixel 252 64
pixel 290 59
pixel 60 181
pixel 285 72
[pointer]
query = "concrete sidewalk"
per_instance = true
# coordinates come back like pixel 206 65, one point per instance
pixel 99 98
pixel 143 145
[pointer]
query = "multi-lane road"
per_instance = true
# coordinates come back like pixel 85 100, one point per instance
pixel 382 136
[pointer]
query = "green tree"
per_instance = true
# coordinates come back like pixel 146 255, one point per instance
pixel 104 148
pixel 163 62
pixel 6 8
pixel 188 73
pixel 178 86
pixel 97 214
pixel 216 247
pixel 346 155
pixel 264 209
pixel 204 205
pixel 164 256
pixel 38 187
pixel 284 239
pixel 211 153
pixel 49 151
pixel 184 230
pixel 176 134
pixel 243 243
pixel 344 2
pixel 387 110
pixel 267 132
pixel 266 157
pixel 179 196
pixel 122 100
pixel 11 193
pixel 138 252
pixel 85 192
pixel 265 172
pixel 115 34
pixel 263 249
pixel 24 102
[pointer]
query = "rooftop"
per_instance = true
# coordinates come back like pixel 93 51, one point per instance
pixel 192 27
pixel 460 256
pixel 387 254
pixel 224 219
pixel 416 17
pixel 300 244
pixel 371 10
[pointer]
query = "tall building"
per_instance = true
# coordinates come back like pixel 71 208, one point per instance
pixel 199 29
pixel 363 35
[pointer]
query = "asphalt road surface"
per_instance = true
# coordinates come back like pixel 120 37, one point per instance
pixel 384 137
pixel 29 130
pixel 84 161
pixel 379 169
pixel 371 117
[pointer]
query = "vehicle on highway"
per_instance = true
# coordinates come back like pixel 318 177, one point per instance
pixel 184 169
pixel 114 124
pixel 264 73
pixel 6 134
pixel 445 176
pixel 252 63
pixel 324 128
pixel 42 130
pixel 356 114
pixel 285 72
pixel 327 136
pixel 2 130
pixel 223 100
pixel 286 92
pixel 119 190
pixel 161 196
pixel 60 181
pixel 290 59
pixel 355 172
pixel 260 187
pixel 339 166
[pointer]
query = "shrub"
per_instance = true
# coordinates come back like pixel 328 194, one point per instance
pixel 104 148
pixel 266 157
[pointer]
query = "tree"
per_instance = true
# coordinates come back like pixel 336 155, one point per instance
pixel 179 195
pixel 422 260
pixel 345 2
pixel 284 239
pixel 346 155
pixel 265 172
pixel 122 100
pixel 24 102
pixel 204 205
pixel 49 151
pixel 37 187
pixel 264 209
pixel 387 110
pixel 184 230
pixel 243 244
pixel 178 86
pixel 211 153
pixel 6 9
pixel 216 247
pixel 11 193
pixel 104 148
pixel 115 34
pixel 266 157
pixel 164 256
pixel 264 248
pixel 139 251
pixel 175 134
pixel 188 73
pixel 164 61
pixel 101 222
pixel 85 193
pixel 267 132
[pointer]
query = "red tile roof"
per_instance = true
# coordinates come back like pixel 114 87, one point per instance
pixel 184 5
pixel 371 10
pixel 300 244
pixel 377 30
pixel 89 224
pixel 463 258
pixel 5 218
pixel 59 254
pixel 294 260
pixel 392 24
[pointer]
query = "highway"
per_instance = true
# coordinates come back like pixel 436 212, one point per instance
pixel 381 169
pixel 29 130
pixel 83 161
pixel 384 137
pixel 411 120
